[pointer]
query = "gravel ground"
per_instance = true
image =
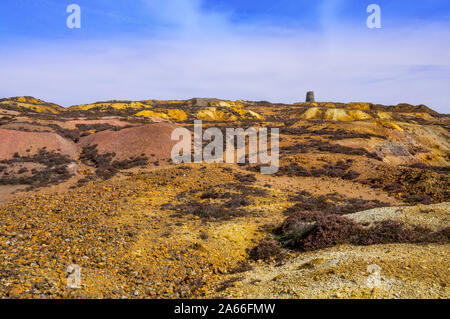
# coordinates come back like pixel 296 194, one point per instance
pixel 407 271
pixel 434 217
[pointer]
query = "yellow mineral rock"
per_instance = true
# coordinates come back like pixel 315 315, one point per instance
pixel 389 125
pixel 328 104
pixel 359 105
pixel 312 113
pixel 33 104
pixel 176 114
pixel 335 114
pixel 359 115
pixel 384 115
pixel 148 113
pixel 213 114
pixel 122 105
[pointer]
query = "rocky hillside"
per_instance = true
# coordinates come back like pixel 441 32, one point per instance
pixel 30 104
pixel 201 109
pixel 93 185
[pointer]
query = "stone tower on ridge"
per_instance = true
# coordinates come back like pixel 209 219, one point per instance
pixel 310 96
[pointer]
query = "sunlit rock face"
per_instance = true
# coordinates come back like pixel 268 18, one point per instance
pixel 175 110
pixel 28 103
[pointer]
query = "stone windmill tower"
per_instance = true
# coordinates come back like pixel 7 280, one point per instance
pixel 310 97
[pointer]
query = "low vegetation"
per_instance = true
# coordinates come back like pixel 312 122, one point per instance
pixel 54 170
pixel 340 169
pixel 105 165
pixel 334 230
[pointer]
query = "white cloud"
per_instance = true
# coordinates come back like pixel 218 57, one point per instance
pixel 185 16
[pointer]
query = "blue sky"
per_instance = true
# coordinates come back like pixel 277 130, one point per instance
pixel 256 50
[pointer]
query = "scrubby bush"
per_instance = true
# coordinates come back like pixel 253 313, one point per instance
pixel 336 148
pixel 266 250
pixel 325 146
pixel 245 178
pixel 242 267
pixel 237 201
pixel 414 185
pixel 338 170
pixel 228 283
pixel 415 199
pixel 106 168
pixel 295 228
pixel 215 194
pixel 391 231
pixel 334 230
pixel 94 127
pixel 332 135
pixel 55 170
pixel 207 211
pixel 329 231
pixel 73 135
pixel 311 208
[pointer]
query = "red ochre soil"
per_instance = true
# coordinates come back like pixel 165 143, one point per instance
pixel 152 140
pixel 14 141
